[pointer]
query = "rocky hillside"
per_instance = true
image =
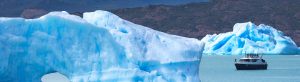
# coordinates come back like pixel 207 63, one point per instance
pixel 217 16
pixel 13 8
pixel 198 19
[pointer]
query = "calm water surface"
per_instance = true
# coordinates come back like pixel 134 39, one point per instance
pixel 281 68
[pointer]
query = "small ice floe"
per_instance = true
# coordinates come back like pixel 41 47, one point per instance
pixel 55 77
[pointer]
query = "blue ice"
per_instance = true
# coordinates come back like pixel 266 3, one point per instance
pixel 249 38
pixel 98 47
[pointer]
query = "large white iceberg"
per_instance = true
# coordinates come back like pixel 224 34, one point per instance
pixel 249 38
pixel 98 47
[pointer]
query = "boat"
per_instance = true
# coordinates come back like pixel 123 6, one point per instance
pixel 251 62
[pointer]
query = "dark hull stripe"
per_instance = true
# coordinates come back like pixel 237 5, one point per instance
pixel 251 66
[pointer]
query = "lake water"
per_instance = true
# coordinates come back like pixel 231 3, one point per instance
pixel 281 68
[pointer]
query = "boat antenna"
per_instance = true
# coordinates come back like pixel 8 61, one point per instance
pixel 260 53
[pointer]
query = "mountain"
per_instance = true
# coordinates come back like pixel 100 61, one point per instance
pixel 13 8
pixel 98 47
pixel 249 38
pixel 217 16
pixel 190 20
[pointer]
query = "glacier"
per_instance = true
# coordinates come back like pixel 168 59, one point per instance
pixel 249 38
pixel 98 47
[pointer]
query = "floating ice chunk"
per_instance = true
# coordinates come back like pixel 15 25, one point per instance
pixel 249 38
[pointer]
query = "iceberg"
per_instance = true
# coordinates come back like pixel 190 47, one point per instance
pixel 249 38
pixel 98 47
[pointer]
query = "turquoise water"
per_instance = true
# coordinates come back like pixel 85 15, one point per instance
pixel 221 69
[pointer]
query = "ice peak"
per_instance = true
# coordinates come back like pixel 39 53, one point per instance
pixel 62 15
pixel 243 28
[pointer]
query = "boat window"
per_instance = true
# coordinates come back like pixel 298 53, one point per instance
pixel 245 60
pixel 254 60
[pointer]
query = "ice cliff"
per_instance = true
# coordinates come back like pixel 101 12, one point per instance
pixel 98 47
pixel 249 38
